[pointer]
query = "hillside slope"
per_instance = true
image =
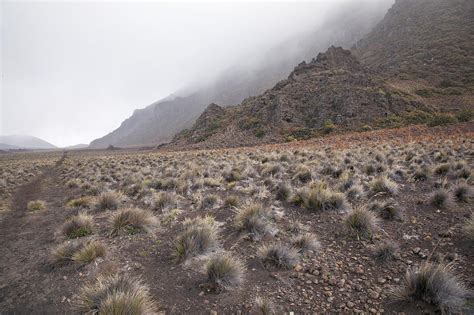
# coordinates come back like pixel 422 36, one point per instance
pixel 426 48
pixel 26 142
pixel 418 57
pixel 160 121
pixel 333 87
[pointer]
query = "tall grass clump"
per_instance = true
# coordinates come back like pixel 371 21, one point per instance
pixel 278 256
pixel 361 223
pixel 115 294
pixel 225 271
pixel 78 226
pixel 254 219
pixel 132 221
pixel 435 284
pixel 198 237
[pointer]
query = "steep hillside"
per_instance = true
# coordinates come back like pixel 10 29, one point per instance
pixel 25 142
pixel 425 47
pixel 332 91
pixel 159 122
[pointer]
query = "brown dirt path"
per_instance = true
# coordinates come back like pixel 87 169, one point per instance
pixel 29 284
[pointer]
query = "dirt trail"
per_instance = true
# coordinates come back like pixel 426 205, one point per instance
pixel 27 281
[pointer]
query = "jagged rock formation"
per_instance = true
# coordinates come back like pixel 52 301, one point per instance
pixel 160 121
pixel 333 87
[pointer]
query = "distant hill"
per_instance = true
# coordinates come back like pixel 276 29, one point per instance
pixel 160 121
pixel 4 146
pixel 25 142
pixel 332 89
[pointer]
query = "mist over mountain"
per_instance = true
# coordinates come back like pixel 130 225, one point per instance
pixel 160 121
pixel 24 142
pixel 389 79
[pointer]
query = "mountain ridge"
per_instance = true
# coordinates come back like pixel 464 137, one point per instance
pixel 26 142
pixel 160 121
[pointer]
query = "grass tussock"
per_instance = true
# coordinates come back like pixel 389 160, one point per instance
pixel 435 284
pixel 278 256
pixel 36 205
pixel 263 306
pixel 132 221
pixel 282 192
pixel 78 226
pixel 109 200
pixel 305 243
pixel 232 202
pixel 462 193
pixel 115 294
pixel 386 210
pixel 161 200
pixel 90 252
pixel 225 271
pixel 382 185
pixel 198 237
pixel 441 198
pixel 361 223
pixel 253 219
pixel 65 251
pixel 386 251
pixel 321 198
pixel 82 202
pixel 80 252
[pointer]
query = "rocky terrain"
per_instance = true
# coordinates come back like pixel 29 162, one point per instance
pixel 332 91
pixel 350 223
pixel 398 74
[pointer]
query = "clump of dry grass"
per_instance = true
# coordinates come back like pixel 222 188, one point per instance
pixel 387 210
pixel 231 202
pixel 278 256
pixel 132 221
pixel 282 192
pixel 115 294
pixel 82 202
pixel 304 174
pixel 421 174
pixel 225 271
pixel 264 306
pixel 209 201
pixel 253 219
pixel 78 226
pixel 90 252
pixel 65 251
pixel 36 205
pixel 385 251
pixel 108 201
pixel 442 170
pixel 321 198
pixel 441 198
pixel 161 200
pixel 462 192
pixel 435 284
pixel 198 237
pixel 383 185
pixel 81 252
pixel 305 243
pixel 361 223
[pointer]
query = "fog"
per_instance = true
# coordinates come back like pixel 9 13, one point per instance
pixel 72 71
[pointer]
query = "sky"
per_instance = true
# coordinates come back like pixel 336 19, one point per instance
pixel 73 71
